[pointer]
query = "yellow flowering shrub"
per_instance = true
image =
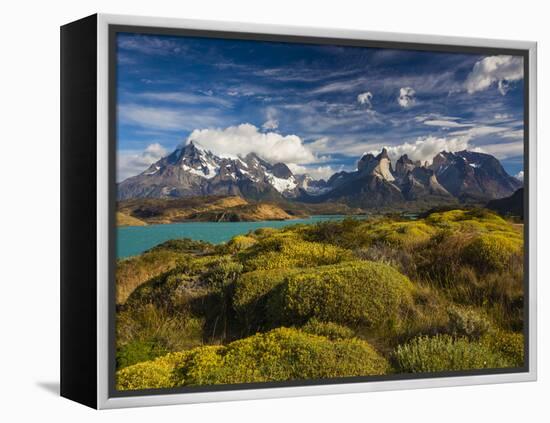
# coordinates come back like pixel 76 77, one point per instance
pixel 489 252
pixel 358 292
pixel 286 250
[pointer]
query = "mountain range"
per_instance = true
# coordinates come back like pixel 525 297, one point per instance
pixel 191 171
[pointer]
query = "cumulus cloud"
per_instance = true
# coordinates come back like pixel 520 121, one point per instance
pixel 272 122
pixel 131 162
pixel 365 98
pixel 246 138
pixel 406 97
pixel 424 149
pixel 316 172
pixel 494 69
pixel 519 175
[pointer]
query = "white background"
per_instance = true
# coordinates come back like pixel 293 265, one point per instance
pixel 29 207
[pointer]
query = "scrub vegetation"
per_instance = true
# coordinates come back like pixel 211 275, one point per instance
pixel 443 292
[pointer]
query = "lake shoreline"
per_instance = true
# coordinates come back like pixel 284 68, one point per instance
pixel 134 240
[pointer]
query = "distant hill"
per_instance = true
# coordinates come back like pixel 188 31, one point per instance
pixel 123 219
pixel 509 206
pixel 211 208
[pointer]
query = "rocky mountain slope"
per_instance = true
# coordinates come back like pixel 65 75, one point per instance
pixel 192 171
pixel 463 176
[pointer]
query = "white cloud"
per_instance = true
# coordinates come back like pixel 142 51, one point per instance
pixel 132 162
pixel 365 98
pixel 503 150
pixel 186 98
pixel 272 122
pixel 424 149
pixel 519 175
pixel 150 45
pixel 406 97
pixel 494 69
pixel 446 123
pixel 478 131
pixel 165 118
pixel 316 172
pixel 246 138
pixel 502 116
pixel 516 134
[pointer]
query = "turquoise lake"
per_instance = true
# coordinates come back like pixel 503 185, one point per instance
pixel 133 240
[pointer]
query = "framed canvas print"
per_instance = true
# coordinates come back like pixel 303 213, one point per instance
pixel 254 211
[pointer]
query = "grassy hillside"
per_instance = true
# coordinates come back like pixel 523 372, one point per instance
pixel 336 298
pixel 214 208
pixel 123 219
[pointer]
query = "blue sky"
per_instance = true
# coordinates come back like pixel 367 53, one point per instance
pixel 316 108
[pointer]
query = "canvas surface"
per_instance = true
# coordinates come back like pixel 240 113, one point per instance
pixel 305 212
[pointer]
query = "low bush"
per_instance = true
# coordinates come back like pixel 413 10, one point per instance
pixel 445 353
pixel 402 234
pixel 492 252
pixel 509 344
pixel 146 332
pixel 134 271
pixel 137 351
pixel 359 292
pixel 184 245
pixel 150 374
pixel 464 321
pixel 251 293
pixel 279 355
pixel 286 250
pixel 329 330
pixel 240 242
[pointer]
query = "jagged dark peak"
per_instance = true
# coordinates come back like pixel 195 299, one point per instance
pixel 365 161
pixel 281 170
pixel 192 151
pixel 252 158
pixel 404 165
pixel 404 159
pixel 336 176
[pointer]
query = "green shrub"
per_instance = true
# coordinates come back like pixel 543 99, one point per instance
pixel 251 293
pixel 445 353
pixel 240 242
pixel 137 351
pixel 329 330
pixel 359 292
pixel 402 234
pixel 184 245
pixel 134 271
pixel 148 331
pixel 490 252
pixel 509 344
pixel 279 355
pixel 220 278
pixel 286 250
pixel 222 273
pixel 150 374
pixel 464 321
